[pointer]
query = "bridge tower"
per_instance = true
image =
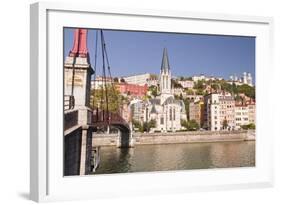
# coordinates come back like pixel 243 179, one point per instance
pixel 77 91
pixel 78 70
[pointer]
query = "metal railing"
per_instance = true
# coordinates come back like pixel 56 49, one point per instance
pixel 69 102
pixel 103 116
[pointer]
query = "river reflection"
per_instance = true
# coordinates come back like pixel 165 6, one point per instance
pixel 145 158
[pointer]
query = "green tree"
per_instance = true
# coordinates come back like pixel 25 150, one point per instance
pixel 181 97
pixel 189 92
pixel 153 90
pixel 199 92
pixel 215 86
pixel 224 124
pixel 148 125
pixel 191 125
pixel 152 124
pixel 234 88
pixel 176 84
pixel 114 98
pixel 238 98
pixel 153 76
pixel 226 86
pixel 184 123
pixel 199 84
pixel 250 126
pixel 137 125
pixel 247 90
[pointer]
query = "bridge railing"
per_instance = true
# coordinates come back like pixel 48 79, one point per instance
pixel 69 102
pixel 103 116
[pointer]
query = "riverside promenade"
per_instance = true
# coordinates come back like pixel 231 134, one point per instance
pixel 175 137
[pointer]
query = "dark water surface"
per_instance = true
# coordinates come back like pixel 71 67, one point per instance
pixel 145 158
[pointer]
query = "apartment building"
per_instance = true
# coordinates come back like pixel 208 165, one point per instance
pixel 196 112
pixel 219 111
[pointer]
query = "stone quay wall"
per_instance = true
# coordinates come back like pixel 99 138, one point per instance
pixel 177 137
pixel 104 139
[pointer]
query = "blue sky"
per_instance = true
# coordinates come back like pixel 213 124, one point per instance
pixel 189 54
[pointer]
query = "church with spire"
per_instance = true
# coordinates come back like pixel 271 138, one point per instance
pixel 164 109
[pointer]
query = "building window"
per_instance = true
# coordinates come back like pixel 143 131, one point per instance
pixel 174 114
pixel 162 120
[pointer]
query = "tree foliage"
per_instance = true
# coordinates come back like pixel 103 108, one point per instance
pixel 199 85
pixel 189 91
pixel 199 92
pixel 144 127
pixel 138 125
pixel 176 84
pixel 153 90
pixel 224 124
pixel 153 76
pixel 234 89
pixel 250 126
pixel 115 99
pixel 148 125
pixel 191 125
pixel 247 90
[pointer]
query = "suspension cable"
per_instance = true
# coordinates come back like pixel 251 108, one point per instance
pixel 95 68
pixel 108 65
pixel 104 76
pixel 109 71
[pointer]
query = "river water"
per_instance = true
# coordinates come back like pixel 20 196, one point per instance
pixel 146 158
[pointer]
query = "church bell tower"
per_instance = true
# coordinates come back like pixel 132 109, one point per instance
pixel 165 77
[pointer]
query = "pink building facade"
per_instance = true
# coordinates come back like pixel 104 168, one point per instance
pixel 131 89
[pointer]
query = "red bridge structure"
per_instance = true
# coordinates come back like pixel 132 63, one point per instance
pixel 102 116
pixel 103 119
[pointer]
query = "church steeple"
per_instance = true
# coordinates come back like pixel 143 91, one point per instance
pixel 165 61
pixel 165 77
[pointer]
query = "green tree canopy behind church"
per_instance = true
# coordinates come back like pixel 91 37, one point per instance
pixel 114 99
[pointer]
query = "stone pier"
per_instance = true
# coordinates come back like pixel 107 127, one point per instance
pixel 77 113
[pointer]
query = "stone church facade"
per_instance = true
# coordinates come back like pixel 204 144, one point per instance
pixel 165 109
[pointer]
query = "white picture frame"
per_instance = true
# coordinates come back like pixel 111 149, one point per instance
pixel 46 178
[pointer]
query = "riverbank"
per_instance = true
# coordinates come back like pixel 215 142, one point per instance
pixel 176 137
